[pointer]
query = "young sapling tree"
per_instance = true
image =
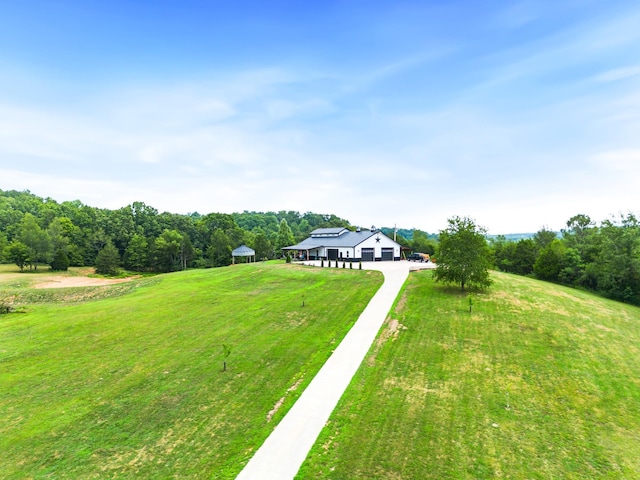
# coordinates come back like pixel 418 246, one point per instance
pixel 226 350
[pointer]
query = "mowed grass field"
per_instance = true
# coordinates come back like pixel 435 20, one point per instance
pixel 538 382
pixel 127 381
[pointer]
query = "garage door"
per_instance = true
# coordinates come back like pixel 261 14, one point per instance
pixel 387 253
pixel 367 254
pixel 332 253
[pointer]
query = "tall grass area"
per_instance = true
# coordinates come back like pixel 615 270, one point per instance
pixel 538 382
pixel 133 386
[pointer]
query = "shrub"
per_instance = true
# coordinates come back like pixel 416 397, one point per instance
pixel 60 261
pixel 5 308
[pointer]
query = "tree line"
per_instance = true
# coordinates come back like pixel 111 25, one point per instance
pixel 603 258
pixel 36 231
pixel 41 231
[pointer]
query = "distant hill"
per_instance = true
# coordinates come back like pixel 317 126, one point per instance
pixel 513 237
pixel 408 234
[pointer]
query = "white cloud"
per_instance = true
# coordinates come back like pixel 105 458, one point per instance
pixel 516 152
pixel 618 74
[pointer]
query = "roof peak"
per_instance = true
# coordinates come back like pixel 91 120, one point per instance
pixel 329 232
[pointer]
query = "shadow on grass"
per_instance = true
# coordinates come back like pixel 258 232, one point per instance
pixel 456 291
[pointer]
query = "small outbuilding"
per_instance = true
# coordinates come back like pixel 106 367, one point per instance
pixel 244 251
pixel 344 244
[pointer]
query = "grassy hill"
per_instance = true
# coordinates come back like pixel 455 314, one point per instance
pixel 126 381
pixel 539 381
pixel 130 383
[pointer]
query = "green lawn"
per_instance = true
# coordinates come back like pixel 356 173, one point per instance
pixel 540 381
pixel 130 384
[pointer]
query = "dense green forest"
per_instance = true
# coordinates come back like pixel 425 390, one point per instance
pixel 36 231
pixel 602 258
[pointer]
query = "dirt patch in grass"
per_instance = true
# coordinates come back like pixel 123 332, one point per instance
pixel 391 330
pixel 280 402
pixel 60 281
pixel 402 303
pixel 512 300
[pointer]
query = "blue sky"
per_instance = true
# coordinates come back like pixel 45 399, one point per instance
pixel 518 114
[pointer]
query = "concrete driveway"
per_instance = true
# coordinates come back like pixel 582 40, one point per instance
pixel 282 454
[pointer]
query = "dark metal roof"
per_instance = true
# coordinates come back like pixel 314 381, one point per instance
pixel 346 240
pixel 325 232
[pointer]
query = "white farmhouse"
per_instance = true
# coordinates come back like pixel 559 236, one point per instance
pixel 343 244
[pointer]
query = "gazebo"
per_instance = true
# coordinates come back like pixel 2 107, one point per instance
pixel 244 251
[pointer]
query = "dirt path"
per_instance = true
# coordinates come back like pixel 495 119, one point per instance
pixel 60 281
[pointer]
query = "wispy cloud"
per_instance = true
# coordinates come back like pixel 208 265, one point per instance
pixel 518 14
pixel 618 74
pixel 521 116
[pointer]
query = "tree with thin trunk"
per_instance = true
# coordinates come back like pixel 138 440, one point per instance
pixel 464 256
pixel 36 239
pixel 18 253
pixel 226 350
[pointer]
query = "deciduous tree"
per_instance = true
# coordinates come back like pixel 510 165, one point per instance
pixel 463 254
pixel 544 237
pixel 3 245
pixel 503 253
pixel 422 243
pixel 135 256
pixel 18 253
pixel 262 246
pixel 36 240
pixel 219 251
pixel 525 256
pixel 618 272
pixel 168 249
pixel 549 263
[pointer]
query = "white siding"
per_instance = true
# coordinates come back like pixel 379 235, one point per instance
pixel 385 242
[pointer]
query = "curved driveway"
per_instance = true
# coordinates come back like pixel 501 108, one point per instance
pixel 282 453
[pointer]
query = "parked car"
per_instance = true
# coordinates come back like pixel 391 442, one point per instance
pixel 418 257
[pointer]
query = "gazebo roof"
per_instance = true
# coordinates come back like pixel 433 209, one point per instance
pixel 243 251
